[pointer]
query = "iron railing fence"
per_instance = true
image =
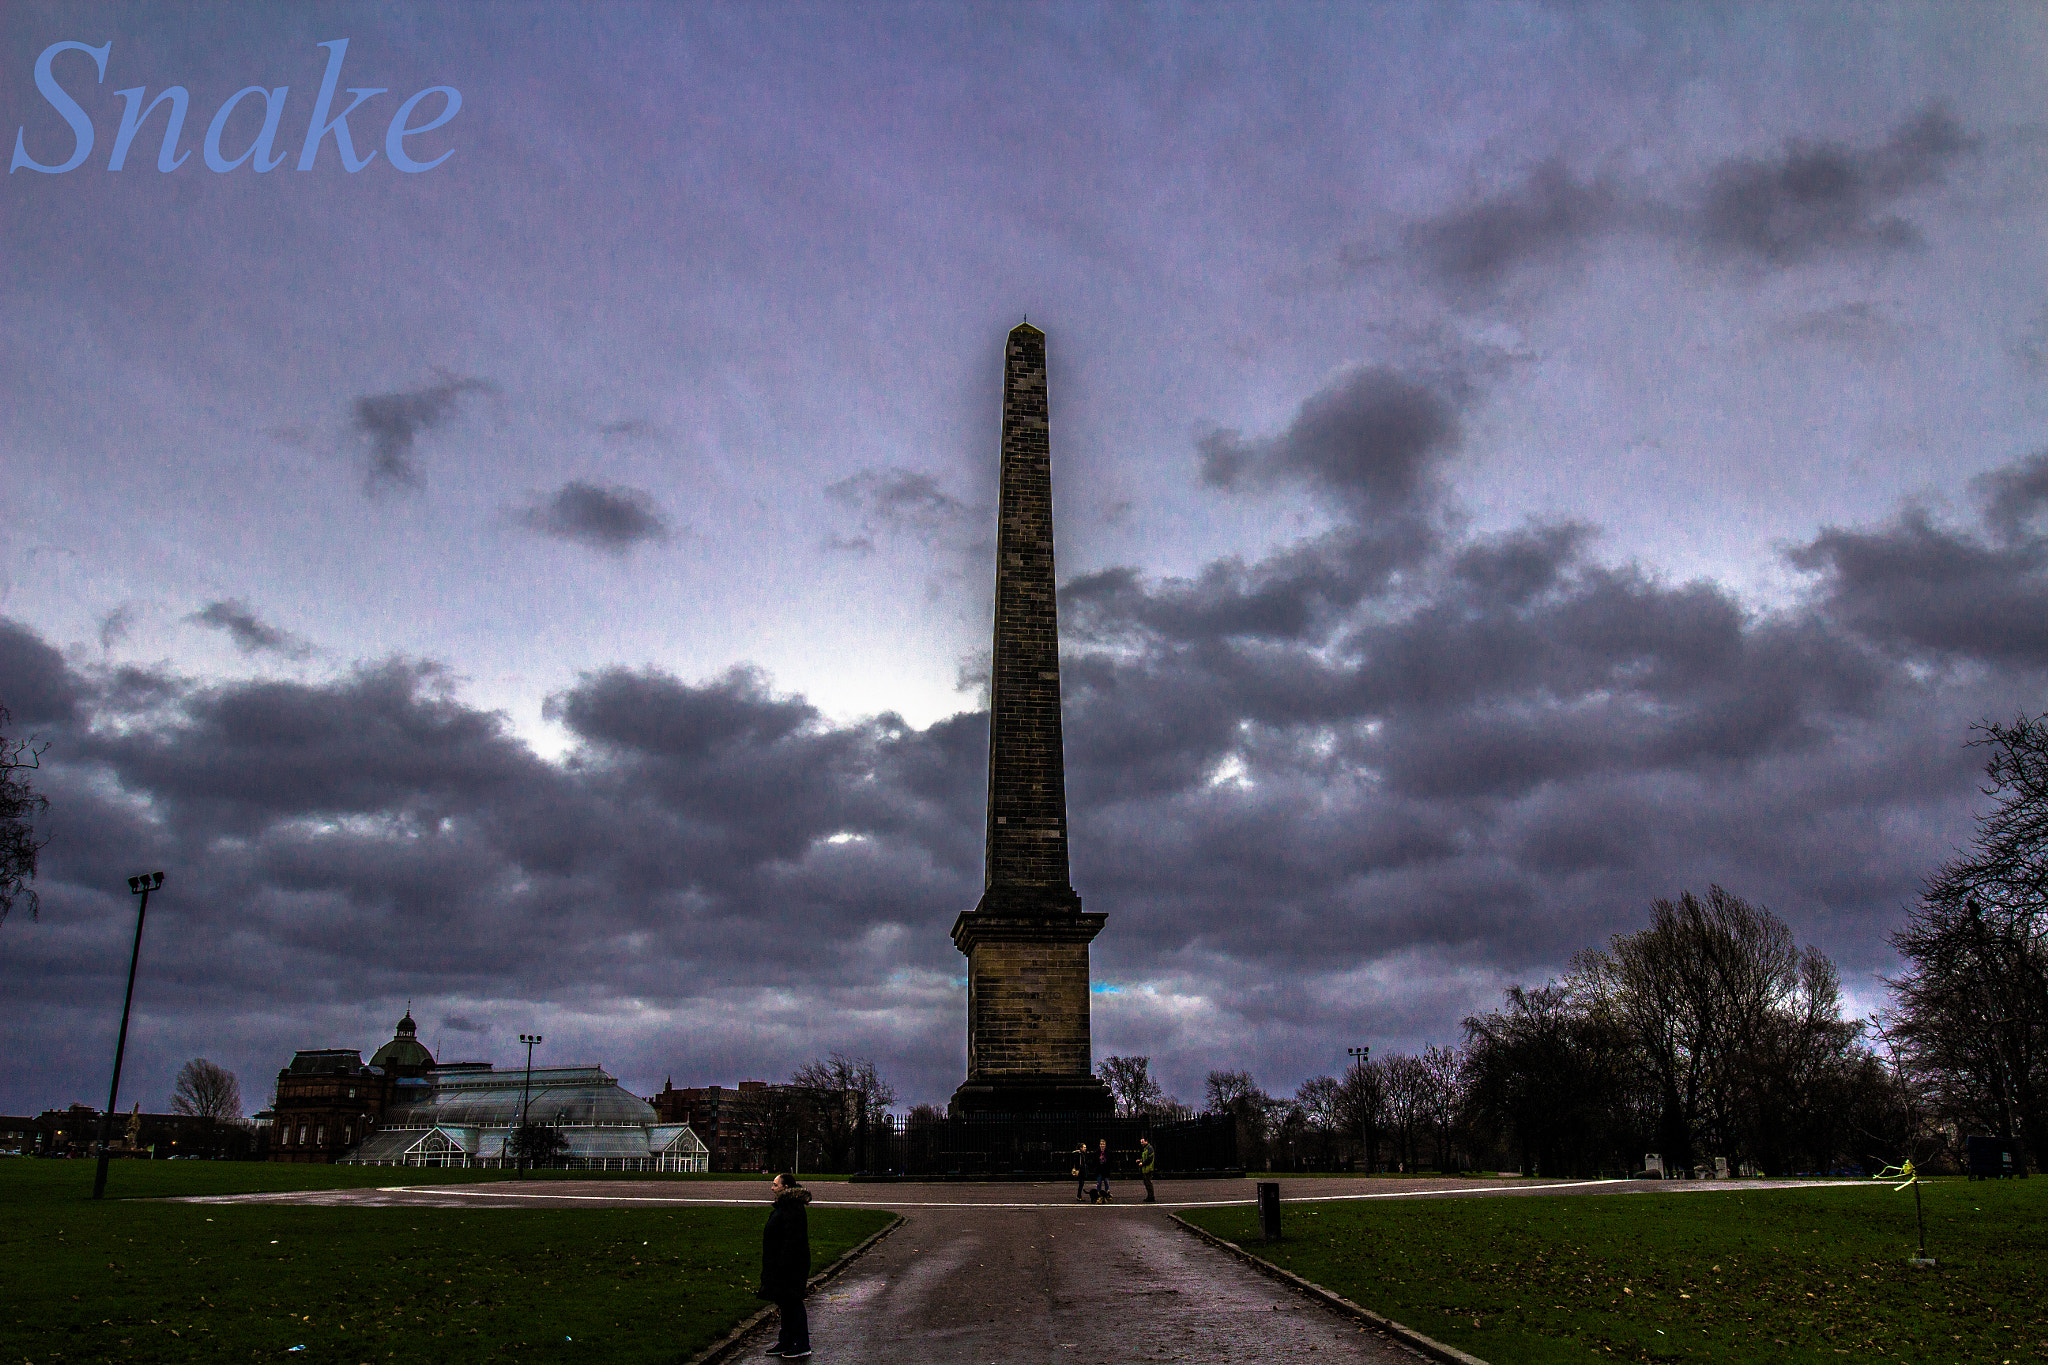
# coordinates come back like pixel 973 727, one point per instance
pixel 1044 1145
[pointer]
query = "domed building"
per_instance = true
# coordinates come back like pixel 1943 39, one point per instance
pixel 403 1108
pixel 328 1100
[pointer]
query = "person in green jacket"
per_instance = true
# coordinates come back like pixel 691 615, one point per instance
pixel 1146 1158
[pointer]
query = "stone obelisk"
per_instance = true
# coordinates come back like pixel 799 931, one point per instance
pixel 1027 940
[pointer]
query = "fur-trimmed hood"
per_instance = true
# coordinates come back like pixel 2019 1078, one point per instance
pixel 799 1196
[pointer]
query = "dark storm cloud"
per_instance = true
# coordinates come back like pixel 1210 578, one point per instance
pixel 1368 446
pixel 392 422
pixel 1368 441
pixel 2015 497
pixel 612 517
pixel 1384 809
pixel 36 685
pixel 1288 596
pixel 1946 592
pixel 1827 198
pixel 1546 217
pixel 1807 201
pixel 384 740
pixel 251 635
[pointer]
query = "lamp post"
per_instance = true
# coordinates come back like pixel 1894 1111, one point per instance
pixel 141 886
pixel 1359 1057
pixel 525 1088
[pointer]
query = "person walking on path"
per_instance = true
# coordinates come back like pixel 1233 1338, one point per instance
pixel 1147 1158
pixel 786 1266
pixel 1082 1161
pixel 1102 1170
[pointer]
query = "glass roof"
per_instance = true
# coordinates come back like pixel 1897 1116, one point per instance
pixel 560 1096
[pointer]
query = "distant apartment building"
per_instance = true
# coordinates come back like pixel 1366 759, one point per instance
pixel 755 1126
pixel 731 1121
pixel 75 1132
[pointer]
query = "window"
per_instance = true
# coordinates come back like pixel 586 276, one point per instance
pixel 320 1135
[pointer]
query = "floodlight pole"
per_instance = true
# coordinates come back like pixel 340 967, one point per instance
pixel 525 1088
pixel 1359 1057
pixel 141 886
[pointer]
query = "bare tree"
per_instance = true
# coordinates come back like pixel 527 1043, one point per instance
pixel 1549 1076
pixel 1236 1094
pixel 1704 989
pixel 210 1094
pixel 1362 1101
pixel 1407 1086
pixel 1320 1101
pixel 205 1090
pixel 19 805
pixel 821 1111
pixel 1970 1015
pixel 1131 1085
pixel 1443 1092
pixel 1226 1090
pixel 841 1072
pixel 1318 1112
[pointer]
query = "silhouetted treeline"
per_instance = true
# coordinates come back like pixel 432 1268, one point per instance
pixel 1707 1034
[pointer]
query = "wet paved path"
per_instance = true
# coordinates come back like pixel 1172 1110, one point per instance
pixel 964 1285
pixel 1025 1273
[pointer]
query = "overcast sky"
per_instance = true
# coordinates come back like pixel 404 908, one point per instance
pixel 1512 463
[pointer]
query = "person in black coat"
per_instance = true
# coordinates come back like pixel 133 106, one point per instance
pixel 786 1266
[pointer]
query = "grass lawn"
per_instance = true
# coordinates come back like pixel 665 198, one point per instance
pixel 1779 1275
pixel 125 1280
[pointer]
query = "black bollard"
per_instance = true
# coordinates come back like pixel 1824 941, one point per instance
pixel 1269 1210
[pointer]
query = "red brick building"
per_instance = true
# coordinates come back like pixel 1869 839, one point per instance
pixel 756 1126
pixel 329 1099
pixel 731 1122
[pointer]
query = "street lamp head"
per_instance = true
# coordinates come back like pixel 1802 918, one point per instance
pixel 531 1038
pixel 147 881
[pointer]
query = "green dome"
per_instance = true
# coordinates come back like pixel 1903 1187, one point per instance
pixel 404 1050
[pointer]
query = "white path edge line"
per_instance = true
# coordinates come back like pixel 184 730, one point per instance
pixel 950 1204
pixel 468 1192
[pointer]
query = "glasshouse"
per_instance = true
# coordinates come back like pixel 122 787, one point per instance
pixel 469 1111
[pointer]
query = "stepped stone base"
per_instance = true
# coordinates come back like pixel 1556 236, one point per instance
pixel 1034 1095
pixel 1027 1009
